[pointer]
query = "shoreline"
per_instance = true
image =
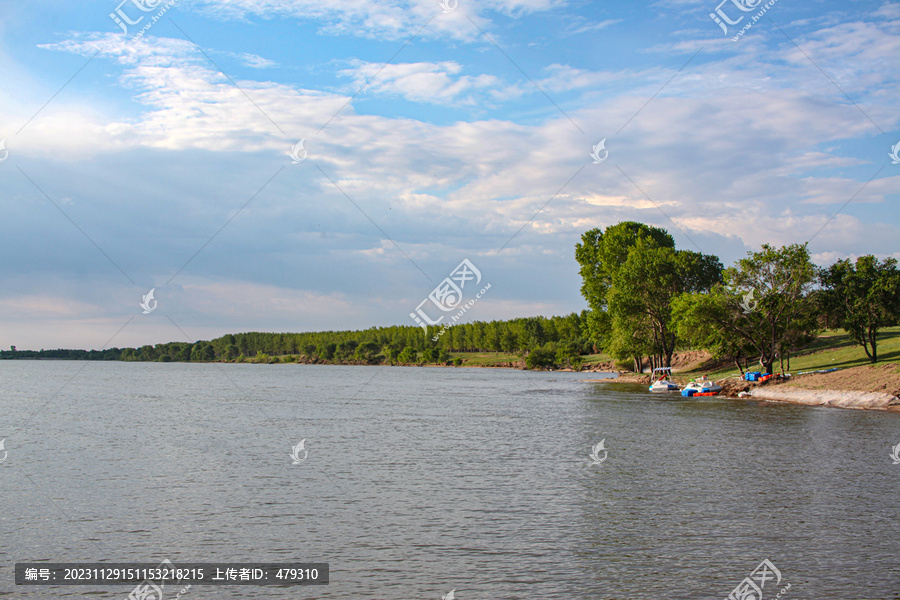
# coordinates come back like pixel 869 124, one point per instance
pixel 785 393
pixel 829 398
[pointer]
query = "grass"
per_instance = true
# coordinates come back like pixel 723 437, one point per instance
pixel 486 359
pixel 832 349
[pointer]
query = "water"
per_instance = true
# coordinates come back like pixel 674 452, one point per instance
pixel 421 480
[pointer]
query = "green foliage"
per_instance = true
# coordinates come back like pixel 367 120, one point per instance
pixel 377 345
pixel 601 255
pixel 764 308
pixel 541 358
pixel 409 356
pixel 864 297
pixel 631 274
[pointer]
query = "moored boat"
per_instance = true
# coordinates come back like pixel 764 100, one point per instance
pixel 704 387
pixel 664 382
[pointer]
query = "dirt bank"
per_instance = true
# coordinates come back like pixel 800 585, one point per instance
pixel 834 398
pixel 883 378
pixel 870 387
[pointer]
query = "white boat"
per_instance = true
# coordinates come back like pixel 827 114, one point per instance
pixel 704 386
pixel 664 383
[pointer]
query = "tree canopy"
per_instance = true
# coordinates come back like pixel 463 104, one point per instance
pixel 864 296
pixel 764 306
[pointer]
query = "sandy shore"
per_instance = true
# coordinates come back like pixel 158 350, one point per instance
pixel 835 398
pixel 867 387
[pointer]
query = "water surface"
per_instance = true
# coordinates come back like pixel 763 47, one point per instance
pixel 421 480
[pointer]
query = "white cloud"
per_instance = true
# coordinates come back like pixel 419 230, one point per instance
pixel 384 19
pixel 438 83
pixel 734 150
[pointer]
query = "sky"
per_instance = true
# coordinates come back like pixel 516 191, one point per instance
pixel 156 144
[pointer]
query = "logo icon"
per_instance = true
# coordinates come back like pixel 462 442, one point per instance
pixel 595 453
pixel 600 147
pixel 742 5
pixel 298 152
pixel 147 299
pixel 895 455
pixel 447 296
pixel 449 5
pixel 895 154
pixel 5 452
pixel 4 153
pixel 120 18
pixel 751 587
pixel 748 303
pixel 297 450
pixel 450 595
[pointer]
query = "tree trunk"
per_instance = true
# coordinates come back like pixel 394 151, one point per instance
pixel 872 333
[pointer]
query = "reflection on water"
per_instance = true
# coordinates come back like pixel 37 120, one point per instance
pixel 420 480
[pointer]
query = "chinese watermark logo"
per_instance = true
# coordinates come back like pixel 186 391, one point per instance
pixel 122 20
pixel 748 303
pixel 4 153
pixel 146 302
pixel 895 455
pixel 148 590
pixel 600 147
pixel 5 453
pixel 895 154
pixel 751 587
pixel 448 296
pixel 723 20
pixel 450 595
pixel 447 6
pixel 296 450
pixel 595 453
pixel 298 152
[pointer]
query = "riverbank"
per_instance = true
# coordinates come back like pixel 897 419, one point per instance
pixel 874 387
pixel 868 386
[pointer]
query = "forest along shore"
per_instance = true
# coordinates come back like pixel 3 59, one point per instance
pixel 874 387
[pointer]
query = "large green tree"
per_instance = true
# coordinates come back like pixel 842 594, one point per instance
pixel 646 284
pixel 764 306
pixel 600 256
pixel 864 296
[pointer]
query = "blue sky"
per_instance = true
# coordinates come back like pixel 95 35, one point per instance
pixel 432 136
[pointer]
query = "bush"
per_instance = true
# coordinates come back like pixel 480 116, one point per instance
pixel 408 356
pixel 541 358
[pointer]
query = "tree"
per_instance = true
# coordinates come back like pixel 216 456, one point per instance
pixel 543 357
pixel 864 297
pixel 640 298
pixel 601 255
pixel 697 319
pixel 764 305
pixel 534 334
pixel 408 356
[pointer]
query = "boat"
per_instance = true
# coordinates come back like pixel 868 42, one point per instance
pixel 704 387
pixel 664 382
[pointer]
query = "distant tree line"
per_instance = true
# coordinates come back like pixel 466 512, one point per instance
pixel 647 299
pixel 543 341
pixel 108 354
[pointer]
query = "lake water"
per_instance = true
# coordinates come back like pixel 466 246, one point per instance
pixel 423 480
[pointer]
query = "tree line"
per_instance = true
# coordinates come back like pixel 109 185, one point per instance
pixel 647 299
pixel 547 341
